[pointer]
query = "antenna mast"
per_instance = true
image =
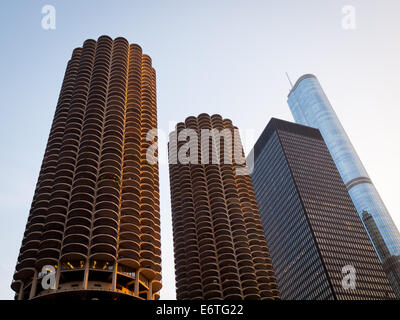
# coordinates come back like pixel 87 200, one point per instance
pixel 291 84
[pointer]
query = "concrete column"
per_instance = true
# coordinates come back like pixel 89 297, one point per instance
pixel 114 277
pixel 21 291
pixel 137 283
pixel 58 274
pixel 32 293
pixel 150 291
pixel 86 275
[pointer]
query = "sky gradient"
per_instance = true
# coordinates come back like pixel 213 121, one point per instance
pixel 226 56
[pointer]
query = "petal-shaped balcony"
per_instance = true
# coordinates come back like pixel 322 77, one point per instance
pixel 74 251
pixel 129 257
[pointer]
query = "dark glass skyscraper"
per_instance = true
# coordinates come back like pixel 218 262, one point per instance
pixel 312 228
pixel 94 218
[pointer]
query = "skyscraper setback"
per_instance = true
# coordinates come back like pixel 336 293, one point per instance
pixel 95 212
pixel 313 231
pixel 219 244
pixel 391 264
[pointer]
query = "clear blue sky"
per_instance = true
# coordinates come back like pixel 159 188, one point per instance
pixel 224 56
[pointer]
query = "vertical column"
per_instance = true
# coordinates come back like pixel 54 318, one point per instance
pixel 37 216
pixel 104 236
pixel 33 286
pixel 129 218
pixel 177 221
pixel 150 260
pixel 257 243
pixel 79 219
pixel 245 263
pixel 228 268
pixel 60 195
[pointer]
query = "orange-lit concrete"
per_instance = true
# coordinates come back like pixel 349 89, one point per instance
pixel 95 211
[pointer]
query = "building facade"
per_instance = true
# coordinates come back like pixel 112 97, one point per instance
pixel 313 231
pixel 391 263
pixel 310 107
pixel 219 244
pixel 94 221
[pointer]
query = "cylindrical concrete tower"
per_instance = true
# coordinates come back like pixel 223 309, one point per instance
pixel 94 218
pixel 219 243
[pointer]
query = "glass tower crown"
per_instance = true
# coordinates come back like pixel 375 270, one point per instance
pixel 310 106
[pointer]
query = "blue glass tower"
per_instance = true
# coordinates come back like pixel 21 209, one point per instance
pixel 310 106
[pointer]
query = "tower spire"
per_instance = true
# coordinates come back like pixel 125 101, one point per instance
pixel 291 84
